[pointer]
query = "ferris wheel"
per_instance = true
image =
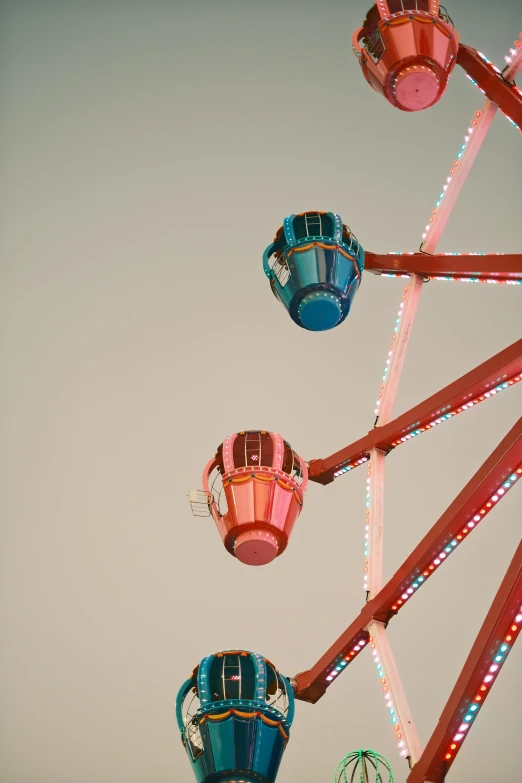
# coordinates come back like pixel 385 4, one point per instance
pixel 236 710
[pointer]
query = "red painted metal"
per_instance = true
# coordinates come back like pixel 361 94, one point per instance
pixel 406 52
pixel 312 684
pixel 501 92
pixel 503 367
pixel 492 266
pixel 504 461
pixel 432 765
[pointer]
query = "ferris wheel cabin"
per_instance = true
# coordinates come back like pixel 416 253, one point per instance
pixel 407 50
pixel 254 488
pixel 235 714
pixel 314 266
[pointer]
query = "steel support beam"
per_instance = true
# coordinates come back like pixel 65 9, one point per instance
pixel 503 463
pixel 495 85
pixel 503 368
pixel 492 645
pixel 501 268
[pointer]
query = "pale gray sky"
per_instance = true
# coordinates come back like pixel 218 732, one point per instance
pixel 148 153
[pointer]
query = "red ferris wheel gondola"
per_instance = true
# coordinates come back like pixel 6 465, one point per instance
pixel 407 49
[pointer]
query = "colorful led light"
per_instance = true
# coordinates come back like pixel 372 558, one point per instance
pixel 456 163
pixel 445 253
pixel 501 111
pixel 488 62
pixel 457 279
pixel 477 85
pixel 463 147
pixel 488 280
pixel 448 413
pixel 341 662
pixel 512 52
pixel 350 465
pixel 482 691
pixel 367 528
pixel 440 416
pixel 417 580
pixel 391 350
pixel 388 700
pixel 509 58
pixel 514 124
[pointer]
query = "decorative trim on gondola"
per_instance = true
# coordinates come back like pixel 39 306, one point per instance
pixel 248 716
pixel 257 477
pixel 401 17
pixel 333 246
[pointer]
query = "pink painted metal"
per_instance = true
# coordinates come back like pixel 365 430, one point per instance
pixel 409 745
pixel 408 55
pixel 459 170
pixel 514 63
pixel 407 739
pixel 401 337
pixel 457 176
pixel 383 7
pixel 263 499
pixel 374 524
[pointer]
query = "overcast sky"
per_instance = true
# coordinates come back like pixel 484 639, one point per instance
pixel 149 150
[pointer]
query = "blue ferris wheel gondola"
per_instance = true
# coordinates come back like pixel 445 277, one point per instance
pixel 317 269
pixel 234 714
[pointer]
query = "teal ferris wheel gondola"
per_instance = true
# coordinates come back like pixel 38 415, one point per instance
pixel 234 714
pixel 316 269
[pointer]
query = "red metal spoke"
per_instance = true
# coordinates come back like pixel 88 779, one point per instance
pixel 492 645
pixel 501 470
pixel 498 373
pixel 490 81
pixel 501 467
pixel 312 684
pixel 470 267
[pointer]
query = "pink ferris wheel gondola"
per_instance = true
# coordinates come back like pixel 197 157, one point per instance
pixel 254 488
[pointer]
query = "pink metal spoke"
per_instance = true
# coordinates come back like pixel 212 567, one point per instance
pixel 397 352
pixel 384 10
pixel 373 535
pixel 473 140
pixel 458 173
pixel 374 526
pixel 406 736
pixel 513 60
